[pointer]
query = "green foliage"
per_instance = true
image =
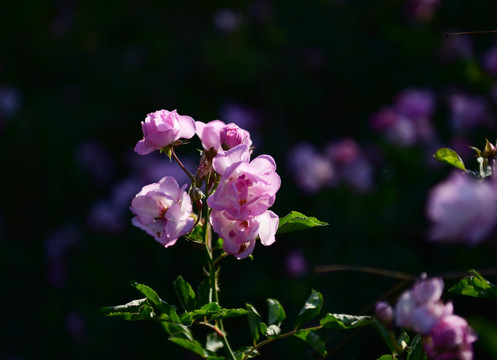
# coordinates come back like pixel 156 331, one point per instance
pixel 313 339
pixel 311 309
pixel 475 285
pixel 342 321
pixel 254 320
pixel 185 294
pixel 415 350
pixel 134 310
pixel 386 357
pixel 449 156
pixel 276 313
pixel 296 221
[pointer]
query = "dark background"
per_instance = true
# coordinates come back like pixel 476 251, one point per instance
pixel 78 77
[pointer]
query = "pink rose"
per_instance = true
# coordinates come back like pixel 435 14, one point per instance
pixel 451 338
pixel 162 128
pixel 462 209
pixel 219 136
pixel 163 210
pixel 239 236
pixel 246 189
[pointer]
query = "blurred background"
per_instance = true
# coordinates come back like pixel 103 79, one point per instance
pixel 351 98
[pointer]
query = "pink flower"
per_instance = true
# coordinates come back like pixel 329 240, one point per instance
pixel 162 128
pixel 163 210
pixel 420 308
pixel 462 209
pixel 246 189
pixel 239 236
pixel 220 136
pixel 450 338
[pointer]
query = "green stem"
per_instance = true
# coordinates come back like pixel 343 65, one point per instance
pixel 282 336
pixel 213 282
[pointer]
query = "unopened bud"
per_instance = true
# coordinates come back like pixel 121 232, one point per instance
pixel 490 151
pixel 196 194
pixel 383 312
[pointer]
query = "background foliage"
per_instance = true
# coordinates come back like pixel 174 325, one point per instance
pixel 76 79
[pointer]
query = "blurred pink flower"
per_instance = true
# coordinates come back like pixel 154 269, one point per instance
pixel 450 338
pixel 462 209
pixel 420 308
pixel 163 210
pixel 467 112
pixel 162 128
pixel 490 60
pixel 311 170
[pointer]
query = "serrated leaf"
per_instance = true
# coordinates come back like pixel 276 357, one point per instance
pixel 276 313
pixel 154 298
pixel 313 339
pixel 475 285
pixel 450 157
pixel 192 345
pixel 133 311
pixel 185 294
pixel 343 321
pixel 296 221
pixel 415 350
pixel 254 320
pixel 177 330
pixel 311 308
pixel 244 350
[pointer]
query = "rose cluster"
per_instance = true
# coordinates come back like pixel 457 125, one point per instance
pixel 239 190
pixel 420 309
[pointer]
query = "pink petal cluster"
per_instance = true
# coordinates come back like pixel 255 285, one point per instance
pixel 241 201
pixel 220 136
pixel 445 336
pixel 162 128
pixel 462 209
pixel 163 210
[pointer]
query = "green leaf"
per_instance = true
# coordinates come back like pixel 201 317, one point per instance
pixel 213 342
pixel 386 357
pixel 386 334
pixel 213 311
pixel 276 313
pixel 241 352
pixel 229 313
pixel 204 293
pixel 185 294
pixel 177 330
pixel 342 321
pixel 263 328
pixel 254 320
pixel 475 285
pixel 311 309
pixel 192 345
pixel 198 234
pixel 313 340
pixel 134 310
pixel 157 302
pixel 415 350
pixel 296 221
pixel 450 157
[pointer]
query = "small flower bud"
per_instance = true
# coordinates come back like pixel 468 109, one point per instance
pixel 490 151
pixel 196 194
pixel 383 312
